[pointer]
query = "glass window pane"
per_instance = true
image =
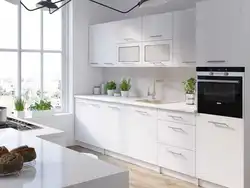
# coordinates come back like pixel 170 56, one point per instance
pixel 52 78
pixel 31 27
pixel 53 30
pixel 8 20
pixel 31 77
pixel 8 79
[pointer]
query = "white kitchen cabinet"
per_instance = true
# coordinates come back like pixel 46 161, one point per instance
pixel 129 54
pixel 102 45
pixel 217 32
pixel 184 37
pixel 140 130
pixel 88 128
pixel 219 150
pixel 128 30
pixel 157 53
pixel 157 27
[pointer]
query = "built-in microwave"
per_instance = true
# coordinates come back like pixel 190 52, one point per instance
pixel 220 91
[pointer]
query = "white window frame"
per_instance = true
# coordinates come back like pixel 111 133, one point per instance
pixel 63 52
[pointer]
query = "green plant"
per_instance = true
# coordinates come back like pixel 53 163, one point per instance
pixel 19 105
pixel 125 85
pixel 190 86
pixel 41 105
pixel 111 85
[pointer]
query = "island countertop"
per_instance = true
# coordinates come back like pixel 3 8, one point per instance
pixel 59 167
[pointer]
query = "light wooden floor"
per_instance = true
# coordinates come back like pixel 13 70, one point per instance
pixel 140 177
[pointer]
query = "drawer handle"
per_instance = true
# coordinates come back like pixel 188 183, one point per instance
pixel 221 125
pixel 176 117
pixel 175 153
pixel 128 39
pixel 142 113
pixel 158 63
pixel 216 61
pixel 108 63
pixel 176 129
pixel 114 108
pixel 95 105
pixel 155 36
pixel 94 63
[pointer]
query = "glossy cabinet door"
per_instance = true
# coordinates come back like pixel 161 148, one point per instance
pixel 184 38
pixel 140 130
pixel 219 150
pixel 128 30
pixel 88 128
pixel 102 45
pixel 158 27
pixel 217 32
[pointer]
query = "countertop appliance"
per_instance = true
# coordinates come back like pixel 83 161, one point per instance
pixel 220 91
pixel 19 125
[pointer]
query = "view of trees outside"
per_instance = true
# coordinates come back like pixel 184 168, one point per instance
pixel 31 65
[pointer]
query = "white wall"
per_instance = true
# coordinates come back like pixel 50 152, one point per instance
pixel 170 87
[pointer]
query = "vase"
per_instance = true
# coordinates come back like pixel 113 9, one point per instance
pixel 110 92
pixel 124 93
pixel 190 98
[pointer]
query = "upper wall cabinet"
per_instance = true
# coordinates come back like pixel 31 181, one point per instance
pixel 217 32
pixel 128 30
pixel 157 27
pixel 102 45
pixel 184 38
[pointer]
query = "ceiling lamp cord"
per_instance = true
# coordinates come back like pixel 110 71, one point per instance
pixel 48 4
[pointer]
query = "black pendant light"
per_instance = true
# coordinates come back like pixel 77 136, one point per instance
pixel 52 6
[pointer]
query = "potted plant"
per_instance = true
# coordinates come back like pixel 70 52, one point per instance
pixel 190 87
pixel 125 86
pixel 41 108
pixel 111 87
pixel 19 108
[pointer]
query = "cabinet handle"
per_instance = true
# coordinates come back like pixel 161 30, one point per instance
pixel 189 62
pixel 128 39
pixel 176 129
pixel 174 153
pixel 155 36
pixel 94 63
pixel 216 61
pixel 95 105
pixel 142 113
pixel 114 108
pixel 108 63
pixel 221 125
pixel 158 63
pixel 176 117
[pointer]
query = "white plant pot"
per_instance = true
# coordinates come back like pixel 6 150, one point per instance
pixel 19 114
pixel 43 113
pixel 190 99
pixel 110 92
pixel 124 93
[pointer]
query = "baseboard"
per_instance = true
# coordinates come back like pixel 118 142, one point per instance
pixel 180 176
pixel 206 184
pixel 133 161
pixel 91 147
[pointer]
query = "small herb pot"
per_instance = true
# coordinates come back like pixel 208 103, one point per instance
pixel 125 93
pixel 19 114
pixel 110 92
pixel 190 98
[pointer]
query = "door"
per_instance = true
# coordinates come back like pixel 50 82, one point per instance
pixel 219 150
pixel 128 30
pixel 141 134
pixel 217 32
pixel 102 46
pixel 129 54
pixel 158 27
pixel 158 53
pixel 184 38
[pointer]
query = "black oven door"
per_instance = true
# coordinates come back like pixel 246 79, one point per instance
pixel 220 96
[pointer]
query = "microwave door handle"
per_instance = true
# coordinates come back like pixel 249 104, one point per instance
pixel 221 81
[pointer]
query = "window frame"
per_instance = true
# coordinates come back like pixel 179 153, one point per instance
pixel 63 52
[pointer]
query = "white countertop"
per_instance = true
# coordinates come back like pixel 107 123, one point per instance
pixel 58 167
pixel 176 106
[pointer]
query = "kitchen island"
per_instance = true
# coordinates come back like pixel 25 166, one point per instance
pixel 59 167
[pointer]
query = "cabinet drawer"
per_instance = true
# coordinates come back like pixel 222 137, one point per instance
pixel 178 117
pixel 176 159
pixel 176 134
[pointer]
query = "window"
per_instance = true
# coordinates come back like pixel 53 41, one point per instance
pixel 31 55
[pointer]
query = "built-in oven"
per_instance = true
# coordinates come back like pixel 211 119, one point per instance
pixel 220 91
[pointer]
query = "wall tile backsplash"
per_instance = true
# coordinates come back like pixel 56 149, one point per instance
pixel 168 81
